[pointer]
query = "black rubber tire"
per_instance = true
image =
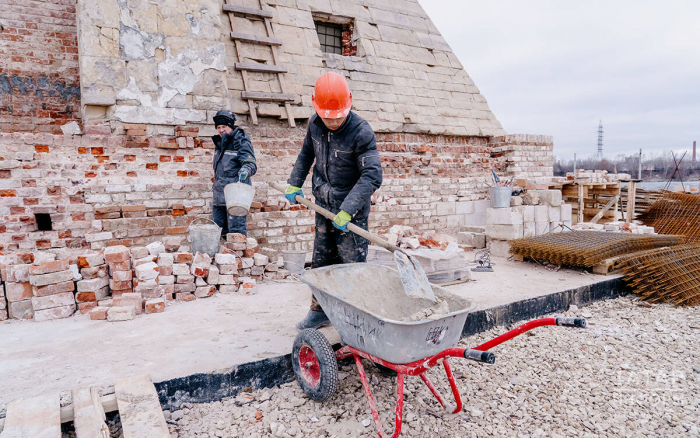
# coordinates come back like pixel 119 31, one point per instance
pixel 327 365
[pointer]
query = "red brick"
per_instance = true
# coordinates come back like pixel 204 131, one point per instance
pixel 129 299
pixel 41 149
pixel 185 296
pixel 18 291
pixel 8 194
pixel 117 254
pixel 133 208
pixel 155 305
pixel 107 209
pixel 99 313
pixel 183 257
pixel 52 289
pixel 120 266
pixel 165 270
pixel 135 126
pixel 49 267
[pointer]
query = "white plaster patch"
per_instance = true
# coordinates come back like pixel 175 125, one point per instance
pixel 184 71
pixel 132 91
pixel 166 95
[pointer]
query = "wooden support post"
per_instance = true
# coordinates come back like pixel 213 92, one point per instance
pixel 580 203
pixel 631 200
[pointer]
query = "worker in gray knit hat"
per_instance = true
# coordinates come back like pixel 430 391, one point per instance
pixel 234 161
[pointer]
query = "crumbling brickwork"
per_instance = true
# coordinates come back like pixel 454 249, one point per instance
pixel 524 156
pixel 39 78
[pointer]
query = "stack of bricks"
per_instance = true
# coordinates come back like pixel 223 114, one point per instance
pixel 18 292
pixel 94 287
pixel 245 248
pixel 52 290
pixel 147 276
pixel 118 258
pixel 202 271
pixel 504 224
pixel 227 265
pixel 184 280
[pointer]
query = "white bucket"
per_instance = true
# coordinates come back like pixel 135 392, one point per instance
pixel 294 261
pixel 239 197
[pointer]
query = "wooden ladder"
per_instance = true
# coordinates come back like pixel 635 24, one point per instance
pixel 245 67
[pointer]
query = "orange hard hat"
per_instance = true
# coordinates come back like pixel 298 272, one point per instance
pixel 332 98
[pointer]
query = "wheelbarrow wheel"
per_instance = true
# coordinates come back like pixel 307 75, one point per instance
pixel 315 365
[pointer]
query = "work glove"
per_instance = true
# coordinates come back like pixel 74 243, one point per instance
pixel 243 174
pixel 341 221
pixel 291 192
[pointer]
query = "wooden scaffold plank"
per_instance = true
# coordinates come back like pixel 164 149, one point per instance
pixel 139 408
pixel 89 415
pixel 38 417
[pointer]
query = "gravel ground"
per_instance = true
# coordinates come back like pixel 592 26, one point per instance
pixel 635 371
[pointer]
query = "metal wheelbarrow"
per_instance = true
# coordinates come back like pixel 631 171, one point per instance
pixel 376 321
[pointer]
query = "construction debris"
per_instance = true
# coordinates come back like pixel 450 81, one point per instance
pixel 615 227
pixel 586 248
pixel 675 213
pixel 666 275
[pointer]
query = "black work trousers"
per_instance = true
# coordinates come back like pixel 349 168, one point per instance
pixel 228 223
pixel 333 246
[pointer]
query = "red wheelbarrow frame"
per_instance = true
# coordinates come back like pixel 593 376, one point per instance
pixel 419 367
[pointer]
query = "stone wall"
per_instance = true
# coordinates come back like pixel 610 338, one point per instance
pixel 39 78
pixel 173 62
pixel 99 192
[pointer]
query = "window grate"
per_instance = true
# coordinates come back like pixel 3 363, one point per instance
pixel 331 37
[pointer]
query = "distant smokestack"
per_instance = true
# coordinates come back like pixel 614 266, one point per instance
pixel 694 152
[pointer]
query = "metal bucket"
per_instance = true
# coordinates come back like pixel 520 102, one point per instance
pixel 500 196
pixel 239 197
pixel 294 261
pixel 205 237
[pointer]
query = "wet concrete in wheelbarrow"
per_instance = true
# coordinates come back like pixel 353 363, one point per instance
pixel 212 348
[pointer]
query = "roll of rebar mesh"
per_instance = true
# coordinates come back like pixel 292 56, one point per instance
pixel 665 275
pixel 587 248
pixel 675 213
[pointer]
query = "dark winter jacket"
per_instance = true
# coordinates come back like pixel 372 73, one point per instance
pixel 233 151
pixel 347 169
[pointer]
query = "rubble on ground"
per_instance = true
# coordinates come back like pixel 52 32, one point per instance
pixel 119 283
pixel 610 379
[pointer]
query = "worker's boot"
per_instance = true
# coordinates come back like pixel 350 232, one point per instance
pixel 313 320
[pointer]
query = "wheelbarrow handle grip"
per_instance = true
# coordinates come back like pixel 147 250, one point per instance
pixel 479 356
pixel 329 215
pixel 571 322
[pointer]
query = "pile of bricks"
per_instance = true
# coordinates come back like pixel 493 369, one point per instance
pixel 52 289
pixel 94 287
pixel 504 224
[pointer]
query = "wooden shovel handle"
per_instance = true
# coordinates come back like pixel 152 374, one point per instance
pixel 327 214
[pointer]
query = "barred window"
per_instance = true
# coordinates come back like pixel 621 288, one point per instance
pixel 330 36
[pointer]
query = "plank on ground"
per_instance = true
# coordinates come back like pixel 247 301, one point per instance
pixel 89 415
pixel 38 417
pixel 139 409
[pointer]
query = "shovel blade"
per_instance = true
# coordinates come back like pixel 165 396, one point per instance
pixel 414 280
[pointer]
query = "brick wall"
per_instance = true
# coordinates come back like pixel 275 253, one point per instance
pixel 523 155
pixel 100 192
pixel 39 78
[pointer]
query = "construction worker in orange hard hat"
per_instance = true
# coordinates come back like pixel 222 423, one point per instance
pixel 347 171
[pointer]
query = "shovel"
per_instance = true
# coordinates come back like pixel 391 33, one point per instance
pixel 414 280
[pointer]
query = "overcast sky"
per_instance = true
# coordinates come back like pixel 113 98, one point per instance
pixel 557 68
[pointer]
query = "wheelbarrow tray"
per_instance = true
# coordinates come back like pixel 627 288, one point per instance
pixel 368 307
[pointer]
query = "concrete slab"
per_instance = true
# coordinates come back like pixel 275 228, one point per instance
pixel 207 335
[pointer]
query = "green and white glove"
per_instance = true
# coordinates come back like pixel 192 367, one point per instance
pixel 341 221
